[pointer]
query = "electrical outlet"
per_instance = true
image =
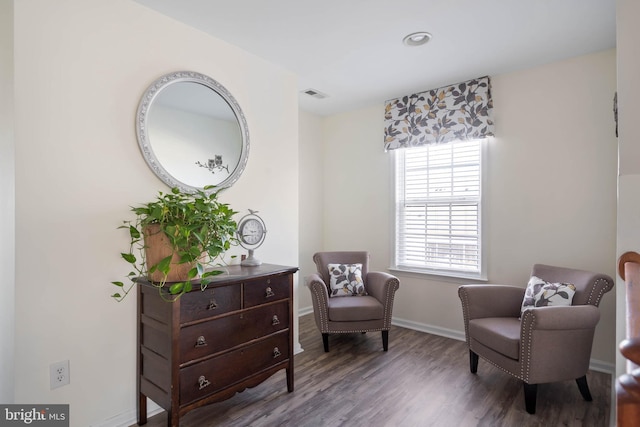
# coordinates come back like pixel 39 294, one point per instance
pixel 59 374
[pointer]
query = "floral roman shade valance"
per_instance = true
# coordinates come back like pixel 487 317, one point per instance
pixel 457 112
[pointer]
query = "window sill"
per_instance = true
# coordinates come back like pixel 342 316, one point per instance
pixel 436 275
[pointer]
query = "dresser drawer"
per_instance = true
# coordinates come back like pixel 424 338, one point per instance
pixel 226 332
pixel 209 376
pixel 213 301
pixel 260 291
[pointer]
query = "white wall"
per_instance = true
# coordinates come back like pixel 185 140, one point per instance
pixel 312 210
pixel 550 195
pixel 312 198
pixel 628 66
pixel 357 208
pixel 7 202
pixel 80 69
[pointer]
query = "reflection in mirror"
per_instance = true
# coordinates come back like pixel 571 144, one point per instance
pixel 186 122
pixel 192 132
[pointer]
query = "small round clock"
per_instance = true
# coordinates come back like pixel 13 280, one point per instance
pixel 251 233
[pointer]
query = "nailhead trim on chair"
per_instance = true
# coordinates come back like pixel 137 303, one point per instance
pixel 513 374
pixel 352 331
pixel 324 322
pixel 391 292
pixel 465 314
pixel 527 320
pixel 603 289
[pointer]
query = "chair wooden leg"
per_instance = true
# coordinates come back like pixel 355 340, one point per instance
pixel 584 388
pixel 530 392
pixel 385 340
pixel 473 362
pixel 325 342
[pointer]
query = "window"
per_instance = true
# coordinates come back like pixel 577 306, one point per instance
pixel 438 209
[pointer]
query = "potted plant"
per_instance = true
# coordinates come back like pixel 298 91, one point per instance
pixel 175 238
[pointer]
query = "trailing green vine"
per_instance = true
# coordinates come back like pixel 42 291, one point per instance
pixel 195 224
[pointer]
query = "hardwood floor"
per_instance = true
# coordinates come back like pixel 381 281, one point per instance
pixel 423 380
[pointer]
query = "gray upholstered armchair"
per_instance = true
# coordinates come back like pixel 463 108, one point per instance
pixel 535 344
pixel 348 314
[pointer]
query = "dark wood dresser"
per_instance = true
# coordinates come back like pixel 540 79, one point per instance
pixel 209 345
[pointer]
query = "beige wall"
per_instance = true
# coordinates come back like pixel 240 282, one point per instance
pixel 80 69
pixel 7 202
pixel 312 210
pixel 550 193
pixel 628 67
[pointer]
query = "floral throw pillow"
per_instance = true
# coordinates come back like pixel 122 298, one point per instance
pixel 346 280
pixel 541 293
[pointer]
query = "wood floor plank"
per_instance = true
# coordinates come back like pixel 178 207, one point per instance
pixel 423 380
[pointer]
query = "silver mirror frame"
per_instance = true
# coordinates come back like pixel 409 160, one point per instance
pixel 143 138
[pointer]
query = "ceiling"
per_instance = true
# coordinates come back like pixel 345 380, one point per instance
pixel 352 50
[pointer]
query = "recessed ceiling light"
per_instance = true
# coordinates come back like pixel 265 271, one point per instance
pixel 417 39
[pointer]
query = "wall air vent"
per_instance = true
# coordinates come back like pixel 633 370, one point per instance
pixel 314 93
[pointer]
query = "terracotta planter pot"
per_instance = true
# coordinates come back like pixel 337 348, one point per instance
pixel 158 247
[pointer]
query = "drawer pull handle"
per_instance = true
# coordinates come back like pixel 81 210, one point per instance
pixel 275 321
pixel 276 352
pixel 203 382
pixel 269 293
pixel 201 342
pixel 213 304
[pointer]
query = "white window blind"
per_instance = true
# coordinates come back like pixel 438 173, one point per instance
pixel 438 195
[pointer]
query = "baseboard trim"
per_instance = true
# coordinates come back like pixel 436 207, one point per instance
pixel 304 311
pixel 130 417
pixel 429 329
pixel 604 367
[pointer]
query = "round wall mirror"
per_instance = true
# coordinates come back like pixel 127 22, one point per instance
pixel 192 132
